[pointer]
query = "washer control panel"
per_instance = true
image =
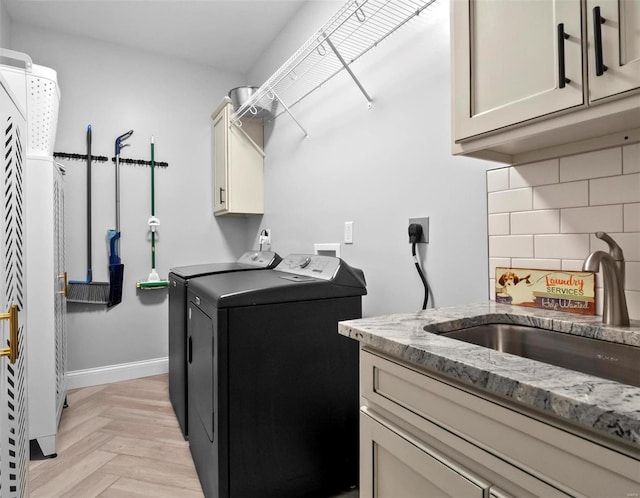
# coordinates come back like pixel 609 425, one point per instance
pixel 257 258
pixel 310 265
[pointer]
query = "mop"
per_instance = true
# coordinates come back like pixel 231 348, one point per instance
pixel 116 268
pixel 87 291
pixel 153 281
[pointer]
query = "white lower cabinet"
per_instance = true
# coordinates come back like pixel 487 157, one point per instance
pixel 422 436
pixel 395 464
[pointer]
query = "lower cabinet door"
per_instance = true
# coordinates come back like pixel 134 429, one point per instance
pixel 393 464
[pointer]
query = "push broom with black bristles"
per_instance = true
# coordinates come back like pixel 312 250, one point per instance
pixel 88 291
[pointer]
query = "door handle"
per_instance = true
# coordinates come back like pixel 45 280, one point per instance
pixel 562 36
pixel 12 350
pixel 221 200
pixel 65 284
pixel 190 350
pixel 598 20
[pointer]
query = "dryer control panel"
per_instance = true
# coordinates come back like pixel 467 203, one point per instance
pixel 310 265
pixel 263 259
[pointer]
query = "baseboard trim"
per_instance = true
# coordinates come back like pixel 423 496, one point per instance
pixel 116 373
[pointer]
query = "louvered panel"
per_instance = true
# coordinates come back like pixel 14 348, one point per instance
pixel 60 304
pixel 14 440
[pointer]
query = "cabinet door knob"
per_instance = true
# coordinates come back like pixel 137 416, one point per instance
pixel 562 36
pixel 598 20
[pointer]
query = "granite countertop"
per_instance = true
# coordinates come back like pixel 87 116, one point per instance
pixel 590 402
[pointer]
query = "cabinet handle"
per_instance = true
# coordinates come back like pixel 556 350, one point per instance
pixel 221 199
pixel 12 350
pixel 597 41
pixel 190 350
pixel 562 36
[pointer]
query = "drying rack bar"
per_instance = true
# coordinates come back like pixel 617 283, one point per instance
pixel 356 28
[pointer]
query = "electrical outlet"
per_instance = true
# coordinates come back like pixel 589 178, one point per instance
pixel 425 228
pixel 348 232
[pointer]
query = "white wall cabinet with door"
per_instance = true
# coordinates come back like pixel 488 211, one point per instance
pixel 47 279
pixel 520 78
pixel 238 163
pixel 14 440
pixel 423 436
pixel 46 346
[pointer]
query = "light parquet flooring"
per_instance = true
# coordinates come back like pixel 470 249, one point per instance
pixel 118 440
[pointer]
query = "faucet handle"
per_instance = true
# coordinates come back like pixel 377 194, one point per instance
pixel 614 249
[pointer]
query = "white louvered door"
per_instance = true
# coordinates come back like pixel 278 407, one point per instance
pixel 60 306
pixel 14 441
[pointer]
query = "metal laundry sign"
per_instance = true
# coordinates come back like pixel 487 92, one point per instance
pixel 571 291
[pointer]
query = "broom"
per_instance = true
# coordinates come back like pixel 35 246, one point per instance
pixel 153 281
pixel 87 291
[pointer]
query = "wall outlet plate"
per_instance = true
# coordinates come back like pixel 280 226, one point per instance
pixel 425 228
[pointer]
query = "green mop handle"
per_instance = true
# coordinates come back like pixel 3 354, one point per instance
pixel 153 205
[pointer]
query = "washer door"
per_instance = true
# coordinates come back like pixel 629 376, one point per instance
pixel 200 358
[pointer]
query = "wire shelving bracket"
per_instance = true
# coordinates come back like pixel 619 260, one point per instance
pixel 356 28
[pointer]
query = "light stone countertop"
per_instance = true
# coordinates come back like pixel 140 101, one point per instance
pixel 590 402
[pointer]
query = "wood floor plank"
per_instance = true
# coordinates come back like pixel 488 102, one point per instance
pixel 81 431
pixel 78 395
pixel 92 486
pixel 70 476
pixel 86 410
pixel 155 450
pixel 75 454
pixel 120 439
pixel 154 471
pixel 160 433
pixel 141 416
pixel 125 488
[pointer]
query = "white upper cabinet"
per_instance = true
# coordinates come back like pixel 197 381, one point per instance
pixel 509 61
pixel 238 161
pixel 533 79
pixel 613 27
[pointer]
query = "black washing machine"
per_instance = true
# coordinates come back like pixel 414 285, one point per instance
pixel 273 387
pixel 179 279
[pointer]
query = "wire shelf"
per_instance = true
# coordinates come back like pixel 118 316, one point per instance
pixel 356 28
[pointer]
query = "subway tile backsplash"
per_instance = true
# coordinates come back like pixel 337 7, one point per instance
pixel 544 215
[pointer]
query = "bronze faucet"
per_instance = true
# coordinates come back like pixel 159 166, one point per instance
pixel 614 311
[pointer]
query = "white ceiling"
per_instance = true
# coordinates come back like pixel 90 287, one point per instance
pixel 226 34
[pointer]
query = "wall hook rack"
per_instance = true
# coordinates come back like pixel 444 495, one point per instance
pixel 104 159
pixel 141 162
pixel 79 157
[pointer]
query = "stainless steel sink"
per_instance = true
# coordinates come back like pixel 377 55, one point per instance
pixel 609 360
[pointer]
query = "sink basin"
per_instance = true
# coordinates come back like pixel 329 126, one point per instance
pixel 609 360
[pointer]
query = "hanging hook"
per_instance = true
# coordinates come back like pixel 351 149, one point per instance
pixel 322 52
pixel 293 75
pixel 253 110
pixel 359 12
pixel 271 95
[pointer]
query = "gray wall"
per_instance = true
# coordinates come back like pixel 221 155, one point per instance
pixel 117 89
pixel 379 167
pixel 5 27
